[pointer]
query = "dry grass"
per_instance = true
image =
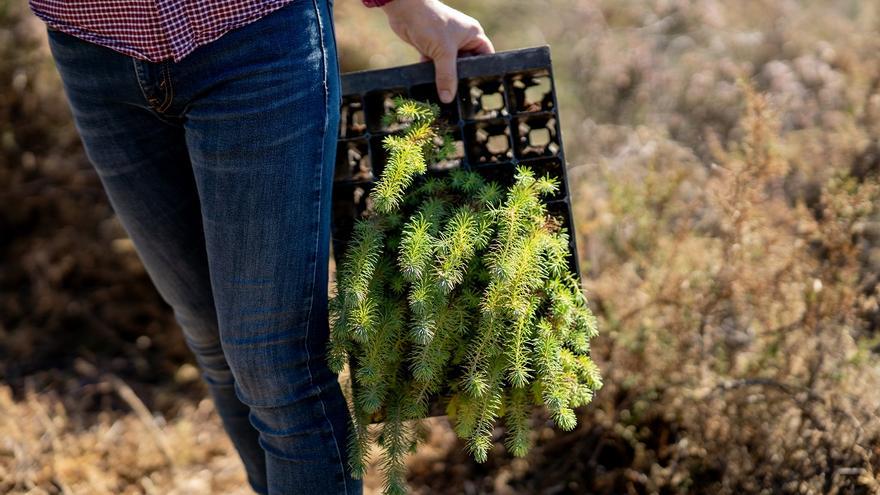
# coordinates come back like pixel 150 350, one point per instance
pixel 46 448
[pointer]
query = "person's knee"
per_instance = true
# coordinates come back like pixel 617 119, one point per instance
pixel 270 379
pixel 203 339
pixel 271 352
pixel 290 393
pixel 301 428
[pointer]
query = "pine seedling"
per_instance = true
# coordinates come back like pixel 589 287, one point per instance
pixel 455 288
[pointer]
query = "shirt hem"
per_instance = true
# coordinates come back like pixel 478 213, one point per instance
pixel 166 52
pixel 198 42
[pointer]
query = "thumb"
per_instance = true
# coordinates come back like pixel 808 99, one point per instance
pixel 446 75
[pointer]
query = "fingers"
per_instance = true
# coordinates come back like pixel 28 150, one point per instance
pixel 446 75
pixel 479 44
pixel 445 65
pixel 439 33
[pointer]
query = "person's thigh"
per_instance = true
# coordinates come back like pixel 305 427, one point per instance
pixel 261 134
pixel 143 164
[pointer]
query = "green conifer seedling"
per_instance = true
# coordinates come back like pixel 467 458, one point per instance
pixel 456 289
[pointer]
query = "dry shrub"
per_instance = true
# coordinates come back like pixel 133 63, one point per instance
pixel 734 317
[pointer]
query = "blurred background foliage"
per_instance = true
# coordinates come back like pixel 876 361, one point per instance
pixel 725 167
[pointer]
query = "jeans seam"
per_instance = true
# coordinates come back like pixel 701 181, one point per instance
pixel 140 78
pixel 139 75
pixel 169 89
pixel 318 237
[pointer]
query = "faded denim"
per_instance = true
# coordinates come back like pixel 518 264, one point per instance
pixel 220 168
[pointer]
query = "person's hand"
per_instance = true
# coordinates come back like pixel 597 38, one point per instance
pixel 439 33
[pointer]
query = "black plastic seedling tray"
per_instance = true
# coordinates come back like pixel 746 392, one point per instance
pixel 505 114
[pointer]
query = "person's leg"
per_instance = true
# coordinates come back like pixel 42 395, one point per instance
pixel 144 165
pixel 261 129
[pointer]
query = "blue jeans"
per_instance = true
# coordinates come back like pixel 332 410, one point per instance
pixel 220 169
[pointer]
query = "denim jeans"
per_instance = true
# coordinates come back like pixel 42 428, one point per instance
pixel 220 169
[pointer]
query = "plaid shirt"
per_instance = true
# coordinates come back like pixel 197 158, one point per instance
pixel 154 30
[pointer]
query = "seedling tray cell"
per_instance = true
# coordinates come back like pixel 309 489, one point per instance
pixel 506 114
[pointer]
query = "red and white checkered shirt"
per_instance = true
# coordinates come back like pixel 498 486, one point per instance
pixel 154 30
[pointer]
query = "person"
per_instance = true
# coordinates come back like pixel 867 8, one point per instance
pixel 212 126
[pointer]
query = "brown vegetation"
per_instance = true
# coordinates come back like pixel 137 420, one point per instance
pixel 725 160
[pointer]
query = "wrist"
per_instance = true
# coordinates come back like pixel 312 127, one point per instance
pixel 394 7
